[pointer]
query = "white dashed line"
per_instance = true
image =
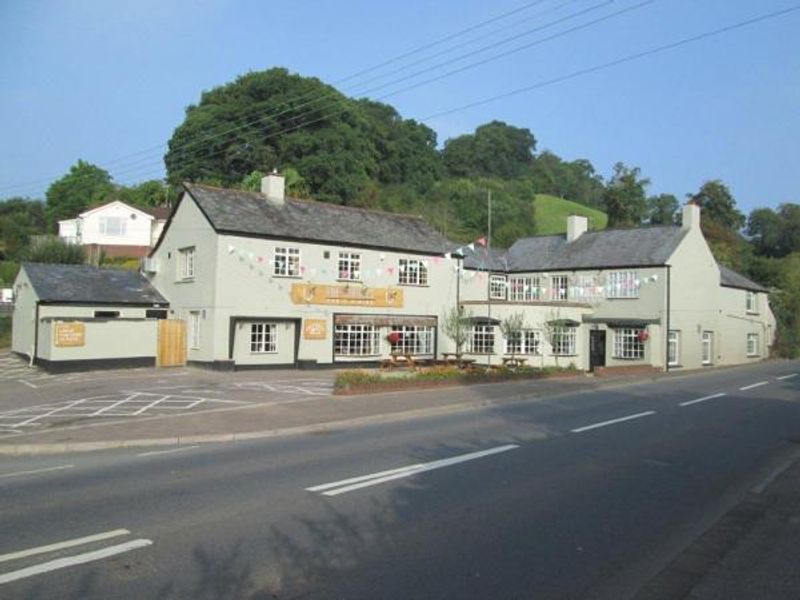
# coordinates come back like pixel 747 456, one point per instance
pixel 36 471
pixel 97 537
pixel 703 399
pixel 170 451
pixel 753 385
pixel 613 421
pixel 787 376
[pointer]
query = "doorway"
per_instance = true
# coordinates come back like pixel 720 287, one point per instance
pixel 597 349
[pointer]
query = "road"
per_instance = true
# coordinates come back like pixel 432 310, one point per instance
pixel 583 496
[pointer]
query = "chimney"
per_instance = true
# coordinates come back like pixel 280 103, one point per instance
pixel 273 187
pixel 576 227
pixel 691 216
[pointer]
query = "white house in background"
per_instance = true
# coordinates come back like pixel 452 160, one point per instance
pixel 116 228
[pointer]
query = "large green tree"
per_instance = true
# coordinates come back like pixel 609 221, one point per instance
pixel 662 209
pixel 576 180
pixel 624 198
pixel 496 149
pixel 718 205
pixel 85 184
pixel 19 219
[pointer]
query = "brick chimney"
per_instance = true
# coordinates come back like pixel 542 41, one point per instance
pixel 576 227
pixel 273 187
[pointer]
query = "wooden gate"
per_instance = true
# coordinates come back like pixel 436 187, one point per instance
pixel 171 343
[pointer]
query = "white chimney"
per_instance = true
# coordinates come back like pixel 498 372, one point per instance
pixel 273 187
pixel 691 216
pixel 576 227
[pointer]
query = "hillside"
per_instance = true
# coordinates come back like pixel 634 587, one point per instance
pixel 552 212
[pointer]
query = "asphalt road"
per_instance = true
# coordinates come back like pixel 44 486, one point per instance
pixel 584 496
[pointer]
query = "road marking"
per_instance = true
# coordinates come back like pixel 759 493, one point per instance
pixel 155 452
pixel 65 544
pixel 48 469
pixel 348 485
pixel 753 385
pixel 613 421
pixel 787 376
pixel 703 399
pixel 28 383
pixel 71 561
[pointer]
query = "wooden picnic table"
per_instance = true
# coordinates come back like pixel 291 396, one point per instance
pixel 399 360
pixel 453 358
pixel 514 361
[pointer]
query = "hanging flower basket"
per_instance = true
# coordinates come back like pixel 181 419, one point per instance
pixel 643 336
pixel 394 337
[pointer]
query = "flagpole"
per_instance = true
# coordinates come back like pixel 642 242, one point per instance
pixel 489 272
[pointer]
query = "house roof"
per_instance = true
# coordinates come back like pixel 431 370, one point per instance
pixel 99 207
pixel 159 212
pixel 730 278
pixel 250 213
pixel 83 283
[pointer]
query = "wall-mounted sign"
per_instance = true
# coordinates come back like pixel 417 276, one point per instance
pixel 347 295
pixel 315 329
pixel 69 335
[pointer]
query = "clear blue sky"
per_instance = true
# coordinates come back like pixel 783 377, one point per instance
pixel 100 80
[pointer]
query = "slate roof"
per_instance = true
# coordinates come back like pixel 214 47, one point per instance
pixel 250 213
pixel 83 283
pixel 730 278
pixel 161 213
pixel 496 259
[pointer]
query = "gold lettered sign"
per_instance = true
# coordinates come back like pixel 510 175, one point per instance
pixel 347 295
pixel 315 329
pixel 70 335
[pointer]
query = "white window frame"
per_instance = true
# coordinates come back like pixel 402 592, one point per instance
pixel 356 339
pixel 673 348
pixel 707 347
pixel 414 339
pixel 628 343
pixel 622 284
pixel 286 262
pixel 119 230
pixel 751 303
pixel 348 266
pixel 498 287
pixel 186 263
pixel 263 338
pixel 194 329
pixel 755 350
pixel 412 271
pixel 481 339
pixel 564 341
pixel 525 341
pixel 524 289
pixel 560 287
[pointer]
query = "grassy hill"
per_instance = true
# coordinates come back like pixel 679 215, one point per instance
pixel 552 213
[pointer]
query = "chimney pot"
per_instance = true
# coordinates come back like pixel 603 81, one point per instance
pixel 576 227
pixel 273 186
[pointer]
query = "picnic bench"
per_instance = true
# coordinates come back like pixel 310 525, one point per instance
pixel 399 360
pixel 514 361
pixel 452 358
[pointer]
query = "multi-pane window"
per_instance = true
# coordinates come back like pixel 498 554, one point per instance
pixel 752 344
pixel 349 266
pixel 751 304
pixel 356 340
pixel 708 347
pixel 673 348
pixel 412 272
pixel 629 343
pixel 560 285
pixel 112 226
pixel 194 329
pixel 497 287
pixel 412 339
pixel 622 284
pixel 287 262
pixel 263 338
pixel 481 339
pixel 563 341
pixel 186 263
pixel 527 341
pixel 585 288
pixel 524 289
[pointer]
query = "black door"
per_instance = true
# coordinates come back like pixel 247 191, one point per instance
pixel 597 349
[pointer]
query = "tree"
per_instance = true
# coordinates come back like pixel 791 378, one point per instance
pixel 511 327
pixel 717 205
pixel 456 325
pixel 54 250
pixel 19 219
pixel 662 209
pixel 146 194
pixel 84 185
pixel 496 149
pixel 624 197
pixel 765 228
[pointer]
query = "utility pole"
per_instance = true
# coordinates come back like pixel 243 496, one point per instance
pixel 489 271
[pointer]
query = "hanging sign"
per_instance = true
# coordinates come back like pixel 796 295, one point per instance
pixel 347 295
pixel 314 329
pixel 69 335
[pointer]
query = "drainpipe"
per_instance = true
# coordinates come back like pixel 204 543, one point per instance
pixel 666 356
pixel 35 335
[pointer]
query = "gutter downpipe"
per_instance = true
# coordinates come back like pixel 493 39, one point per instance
pixel 669 294
pixel 35 336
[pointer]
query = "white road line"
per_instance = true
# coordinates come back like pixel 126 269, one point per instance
pixel 155 452
pixel 354 483
pixel 35 471
pixel 28 383
pixel 71 561
pixel 753 385
pixel 111 406
pixel 613 421
pixel 703 399
pixel 65 544
pixel 51 412
pixel 787 376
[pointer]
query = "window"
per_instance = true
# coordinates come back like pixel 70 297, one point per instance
pixel 481 339
pixel 194 329
pixel 497 287
pixel 113 226
pixel 106 314
pixel 560 287
pixel 708 347
pixel 585 288
pixel 622 284
pixel 524 289
pixel 186 263
pixel 412 272
pixel 564 341
pixel 673 348
pixel 287 262
pixel 629 343
pixel 412 339
pixel 263 338
pixel 527 341
pixel 752 344
pixel 349 266
pixel 356 340
pixel 751 302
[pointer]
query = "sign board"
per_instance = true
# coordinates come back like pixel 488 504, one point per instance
pixel 69 335
pixel 315 329
pixel 347 295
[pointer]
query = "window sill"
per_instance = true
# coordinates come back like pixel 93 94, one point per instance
pixel 340 280
pixel 564 355
pixel 263 353
pixel 414 285
pixel 627 358
pixel 622 297
pixel 287 276
pixel 185 280
pixel 752 313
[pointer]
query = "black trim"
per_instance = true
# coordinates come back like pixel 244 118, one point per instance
pixel 747 289
pixel 106 303
pixel 93 364
pixel 298 325
pixel 557 270
pixel 35 333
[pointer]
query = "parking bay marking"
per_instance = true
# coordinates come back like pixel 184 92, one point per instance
pixel 97 537
pixel 613 421
pixel 354 483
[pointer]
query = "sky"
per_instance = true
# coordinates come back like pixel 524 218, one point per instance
pixel 108 80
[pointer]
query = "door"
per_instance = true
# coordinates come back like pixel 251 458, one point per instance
pixel 597 349
pixel 171 343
